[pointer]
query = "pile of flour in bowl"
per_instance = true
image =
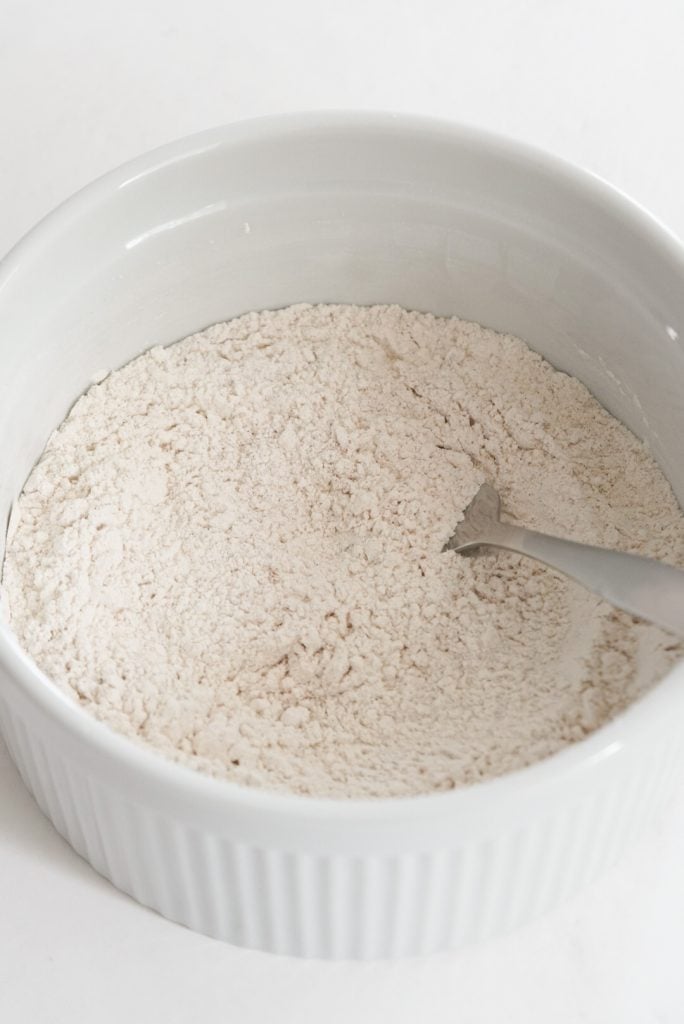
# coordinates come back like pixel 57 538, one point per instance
pixel 231 552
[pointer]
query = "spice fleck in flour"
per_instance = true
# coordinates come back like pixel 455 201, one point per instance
pixel 230 551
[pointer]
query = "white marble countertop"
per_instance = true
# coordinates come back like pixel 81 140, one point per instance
pixel 85 85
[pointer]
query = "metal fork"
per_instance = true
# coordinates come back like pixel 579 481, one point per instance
pixel 641 586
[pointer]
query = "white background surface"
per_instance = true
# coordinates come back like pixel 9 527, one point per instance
pixel 85 85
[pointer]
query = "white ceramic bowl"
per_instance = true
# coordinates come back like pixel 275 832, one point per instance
pixel 364 209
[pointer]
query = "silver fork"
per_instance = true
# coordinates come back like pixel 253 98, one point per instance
pixel 641 586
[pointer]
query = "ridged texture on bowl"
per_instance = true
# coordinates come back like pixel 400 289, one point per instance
pixel 337 906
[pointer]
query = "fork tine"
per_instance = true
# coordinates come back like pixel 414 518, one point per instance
pixel 482 512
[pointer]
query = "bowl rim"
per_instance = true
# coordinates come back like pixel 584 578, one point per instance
pixel 576 760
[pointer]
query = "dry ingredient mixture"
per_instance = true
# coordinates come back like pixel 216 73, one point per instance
pixel 231 551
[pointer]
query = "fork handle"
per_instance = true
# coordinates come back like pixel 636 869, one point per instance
pixel 641 586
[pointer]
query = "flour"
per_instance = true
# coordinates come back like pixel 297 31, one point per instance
pixel 230 551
